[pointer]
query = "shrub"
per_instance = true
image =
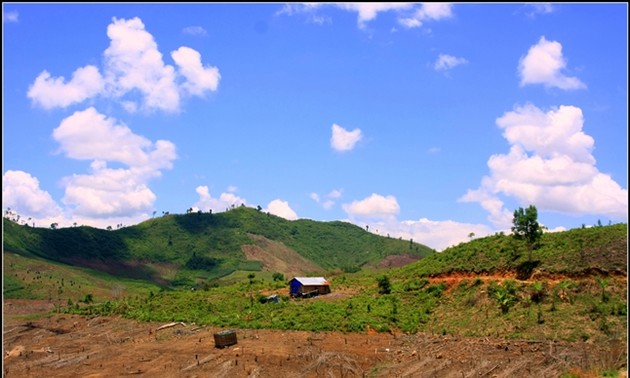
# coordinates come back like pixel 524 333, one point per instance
pixel 384 286
pixel 537 292
pixel 505 294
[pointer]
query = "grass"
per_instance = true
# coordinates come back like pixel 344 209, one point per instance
pixel 463 309
pixel 572 252
pixel 36 278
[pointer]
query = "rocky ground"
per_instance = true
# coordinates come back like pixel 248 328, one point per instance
pixel 39 345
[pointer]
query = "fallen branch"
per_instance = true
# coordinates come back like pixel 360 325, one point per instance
pixel 198 363
pixel 490 371
pixel 169 325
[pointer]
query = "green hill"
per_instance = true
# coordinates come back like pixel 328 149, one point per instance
pixel 573 289
pixel 577 252
pixel 196 248
pixel 577 291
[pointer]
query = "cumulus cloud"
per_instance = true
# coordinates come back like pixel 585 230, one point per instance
pixel 225 201
pixel 90 135
pixel 446 62
pixel 134 74
pixel 199 79
pixel 50 92
pixel 344 140
pixel 107 192
pixel 133 62
pixel 438 235
pixel 544 64
pixel 549 164
pixel 375 206
pixel 281 209
pixel 22 194
pixel 379 213
pixel 121 162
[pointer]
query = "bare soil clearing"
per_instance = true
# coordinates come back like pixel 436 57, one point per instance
pixel 76 346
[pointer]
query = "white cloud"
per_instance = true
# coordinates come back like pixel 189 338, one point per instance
pixel 195 30
pixel 539 8
pixel 281 209
pixel 330 198
pixel 543 64
pixel 291 9
pixel 427 11
pixel 328 204
pixel 199 79
pixel 446 62
pixel 21 193
pixel 344 140
pixel 106 192
pixel 435 234
pixel 225 201
pixel 379 213
pixel 373 207
pixel 411 15
pixel 12 16
pixel 368 11
pixel 50 92
pixel 550 165
pixel 90 135
pixel 133 62
pixel 135 75
pixel 335 193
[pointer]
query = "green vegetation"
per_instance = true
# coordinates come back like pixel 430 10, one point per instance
pixel 583 251
pixel 465 308
pixel 37 278
pixel 572 287
pixel 194 249
pixel 526 227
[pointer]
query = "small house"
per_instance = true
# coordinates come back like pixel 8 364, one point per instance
pixel 308 286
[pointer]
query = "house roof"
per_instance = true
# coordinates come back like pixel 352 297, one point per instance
pixel 312 281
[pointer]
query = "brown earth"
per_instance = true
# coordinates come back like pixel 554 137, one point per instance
pixel 277 257
pixel 36 344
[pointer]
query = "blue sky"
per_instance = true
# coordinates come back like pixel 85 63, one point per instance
pixel 422 121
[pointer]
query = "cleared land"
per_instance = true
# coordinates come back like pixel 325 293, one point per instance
pixel 40 345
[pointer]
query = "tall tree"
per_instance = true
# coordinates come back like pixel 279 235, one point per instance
pixel 526 227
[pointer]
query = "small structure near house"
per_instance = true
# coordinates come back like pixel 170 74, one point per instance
pixel 224 338
pixel 306 287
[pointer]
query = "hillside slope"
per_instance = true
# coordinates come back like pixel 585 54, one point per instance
pixel 190 249
pixel 577 252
